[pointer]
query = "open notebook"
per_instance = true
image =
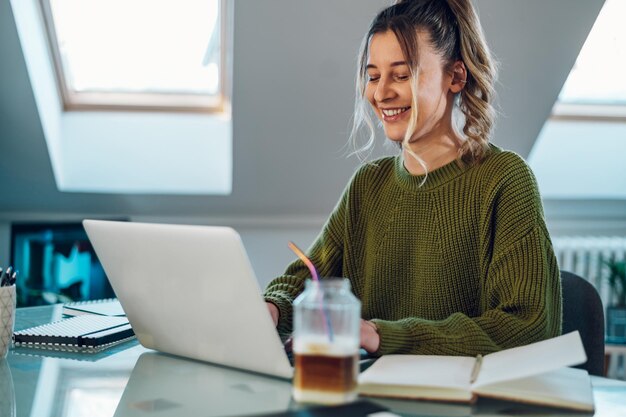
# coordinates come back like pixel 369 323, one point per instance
pixel 533 374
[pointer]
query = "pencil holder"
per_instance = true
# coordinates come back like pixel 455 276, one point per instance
pixel 7 318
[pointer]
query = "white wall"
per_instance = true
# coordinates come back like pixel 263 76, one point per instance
pixel 581 160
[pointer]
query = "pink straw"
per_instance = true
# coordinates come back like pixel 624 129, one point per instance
pixel 304 259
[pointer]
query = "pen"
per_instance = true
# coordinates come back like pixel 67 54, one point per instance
pixel 13 278
pixel 8 277
pixel 476 368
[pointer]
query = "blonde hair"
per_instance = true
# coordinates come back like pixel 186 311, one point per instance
pixel 455 33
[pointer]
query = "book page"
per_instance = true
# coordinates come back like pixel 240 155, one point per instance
pixel 565 387
pixel 534 359
pixel 420 371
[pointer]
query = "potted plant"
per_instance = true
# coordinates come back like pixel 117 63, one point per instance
pixel 616 309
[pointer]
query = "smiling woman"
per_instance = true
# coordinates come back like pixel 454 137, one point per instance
pixel 462 69
pixel 445 244
pixel 390 92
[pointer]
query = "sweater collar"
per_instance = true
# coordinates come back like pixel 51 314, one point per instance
pixel 434 178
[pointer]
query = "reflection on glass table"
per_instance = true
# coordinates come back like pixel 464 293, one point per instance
pixel 7 393
pixel 156 381
pixel 129 380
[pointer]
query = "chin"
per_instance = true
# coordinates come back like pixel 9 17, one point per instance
pixel 395 133
pixel 394 136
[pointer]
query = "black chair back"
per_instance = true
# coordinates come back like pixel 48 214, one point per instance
pixel 583 311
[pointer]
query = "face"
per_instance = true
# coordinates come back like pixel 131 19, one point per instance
pixel 388 88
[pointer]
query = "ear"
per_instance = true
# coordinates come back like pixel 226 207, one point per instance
pixel 459 77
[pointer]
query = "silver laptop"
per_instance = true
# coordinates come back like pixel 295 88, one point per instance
pixel 190 291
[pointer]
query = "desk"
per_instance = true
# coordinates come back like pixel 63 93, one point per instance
pixel 130 381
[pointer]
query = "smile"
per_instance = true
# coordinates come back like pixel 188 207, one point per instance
pixel 394 112
pixel 393 115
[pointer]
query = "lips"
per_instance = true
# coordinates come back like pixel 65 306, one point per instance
pixel 390 115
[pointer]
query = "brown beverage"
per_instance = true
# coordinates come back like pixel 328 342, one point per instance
pixel 325 377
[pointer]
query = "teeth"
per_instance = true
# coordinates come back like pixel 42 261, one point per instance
pixel 393 112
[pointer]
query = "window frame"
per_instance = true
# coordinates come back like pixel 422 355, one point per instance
pixel 121 101
pixel 600 112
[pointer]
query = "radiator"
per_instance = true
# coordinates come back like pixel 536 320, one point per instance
pixel 585 256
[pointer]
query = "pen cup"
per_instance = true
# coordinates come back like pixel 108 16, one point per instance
pixel 7 318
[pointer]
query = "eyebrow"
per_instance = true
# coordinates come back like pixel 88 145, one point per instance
pixel 393 64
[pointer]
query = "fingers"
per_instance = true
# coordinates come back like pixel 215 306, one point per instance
pixel 370 339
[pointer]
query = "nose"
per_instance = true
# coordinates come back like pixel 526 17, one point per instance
pixel 384 90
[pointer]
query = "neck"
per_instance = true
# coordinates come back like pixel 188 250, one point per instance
pixel 436 148
pixel 435 153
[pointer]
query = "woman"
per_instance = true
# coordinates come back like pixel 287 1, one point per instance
pixel 445 244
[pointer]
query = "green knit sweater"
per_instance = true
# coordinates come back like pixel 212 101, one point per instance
pixel 458 266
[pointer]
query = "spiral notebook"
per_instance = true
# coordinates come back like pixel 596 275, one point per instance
pixel 89 333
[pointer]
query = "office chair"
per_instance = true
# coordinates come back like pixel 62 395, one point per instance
pixel 583 311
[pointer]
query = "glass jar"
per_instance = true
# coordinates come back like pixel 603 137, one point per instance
pixel 326 342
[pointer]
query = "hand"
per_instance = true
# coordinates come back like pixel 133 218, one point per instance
pixel 273 312
pixel 370 339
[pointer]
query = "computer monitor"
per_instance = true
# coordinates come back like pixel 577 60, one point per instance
pixel 57 264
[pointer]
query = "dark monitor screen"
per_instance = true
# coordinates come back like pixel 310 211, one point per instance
pixel 57 264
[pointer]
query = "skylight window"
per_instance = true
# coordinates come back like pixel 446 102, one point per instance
pixel 150 54
pixel 595 87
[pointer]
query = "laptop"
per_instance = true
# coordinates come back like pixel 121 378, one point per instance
pixel 190 291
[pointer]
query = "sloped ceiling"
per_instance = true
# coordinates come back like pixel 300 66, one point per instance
pixel 294 66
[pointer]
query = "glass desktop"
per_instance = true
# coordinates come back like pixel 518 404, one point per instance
pixel 128 380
